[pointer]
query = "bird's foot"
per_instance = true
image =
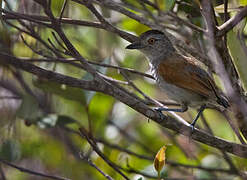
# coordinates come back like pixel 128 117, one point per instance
pixel 159 110
pixel 192 125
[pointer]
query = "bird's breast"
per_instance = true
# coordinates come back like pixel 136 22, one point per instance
pixel 174 92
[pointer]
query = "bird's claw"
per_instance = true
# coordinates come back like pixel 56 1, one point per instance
pixel 158 109
pixel 162 116
pixel 192 127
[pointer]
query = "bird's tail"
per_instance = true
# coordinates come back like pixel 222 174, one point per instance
pixel 221 100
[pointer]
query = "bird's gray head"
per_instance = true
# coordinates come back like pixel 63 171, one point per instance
pixel 154 44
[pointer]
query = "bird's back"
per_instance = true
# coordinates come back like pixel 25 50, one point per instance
pixel 185 81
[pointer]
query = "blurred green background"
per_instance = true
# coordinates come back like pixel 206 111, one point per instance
pixel 42 136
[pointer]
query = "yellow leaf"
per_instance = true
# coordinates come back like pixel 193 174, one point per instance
pixel 159 160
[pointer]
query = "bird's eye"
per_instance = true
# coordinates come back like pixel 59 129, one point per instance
pixel 151 41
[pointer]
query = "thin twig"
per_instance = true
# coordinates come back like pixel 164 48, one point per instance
pixel 228 25
pixel 226 17
pixel 129 99
pixel 71 60
pixel 225 155
pixel 96 167
pixel 62 11
pixel 150 158
pixel 187 23
pixel 57 40
pixel 74 52
pixel 33 49
pixel 84 134
pixel 238 104
pixel 134 86
pixel 25 170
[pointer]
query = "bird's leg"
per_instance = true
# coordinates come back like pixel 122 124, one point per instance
pixel 197 117
pixel 182 109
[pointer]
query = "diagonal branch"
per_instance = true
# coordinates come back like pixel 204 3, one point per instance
pixel 238 105
pixel 31 171
pixel 228 25
pixel 85 134
pixel 129 99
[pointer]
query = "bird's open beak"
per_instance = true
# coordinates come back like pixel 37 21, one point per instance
pixel 135 45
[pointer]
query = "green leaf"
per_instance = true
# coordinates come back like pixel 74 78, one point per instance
pixel 192 8
pixel 10 150
pixel 99 109
pixel 243 2
pixel 56 7
pixel 64 91
pixel 237 52
pixel 63 120
pixel 29 108
pixel 52 120
pixel 167 4
pixel 132 25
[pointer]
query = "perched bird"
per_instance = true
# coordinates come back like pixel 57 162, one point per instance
pixel 179 76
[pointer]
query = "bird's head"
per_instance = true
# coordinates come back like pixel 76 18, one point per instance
pixel 153 44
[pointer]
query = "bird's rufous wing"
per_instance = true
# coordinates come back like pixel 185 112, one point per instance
pixel 183 72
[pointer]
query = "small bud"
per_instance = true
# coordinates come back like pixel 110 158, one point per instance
pixel 159 160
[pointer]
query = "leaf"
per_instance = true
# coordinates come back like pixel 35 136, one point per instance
pixel 159 160
pixel 237 51
pixel 191 8
pixel 29 108
pixel 63 120
pixel 132 25
pixel 56 7
pixel 243 2
pixel 64 91
pixel 10 150
pixel 168 4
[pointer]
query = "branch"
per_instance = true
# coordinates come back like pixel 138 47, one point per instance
pixel 31 171
pixel 96 167
pixel 228 25
pixel 127 36
pixel 39 19
pixel 150 158
pixel 238 105
pixel 72 62
pixel 97 150
pixel 73 51
pixel 190 25
pixel 129 99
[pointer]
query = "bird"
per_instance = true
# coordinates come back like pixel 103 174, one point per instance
pixel 180 77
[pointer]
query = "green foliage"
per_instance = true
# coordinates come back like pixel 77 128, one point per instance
pixel 64 91
pixel 29 108
pixel 237 52
pixel 10 150
pixel 242 2
pixel 49 139
pixel 132 25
